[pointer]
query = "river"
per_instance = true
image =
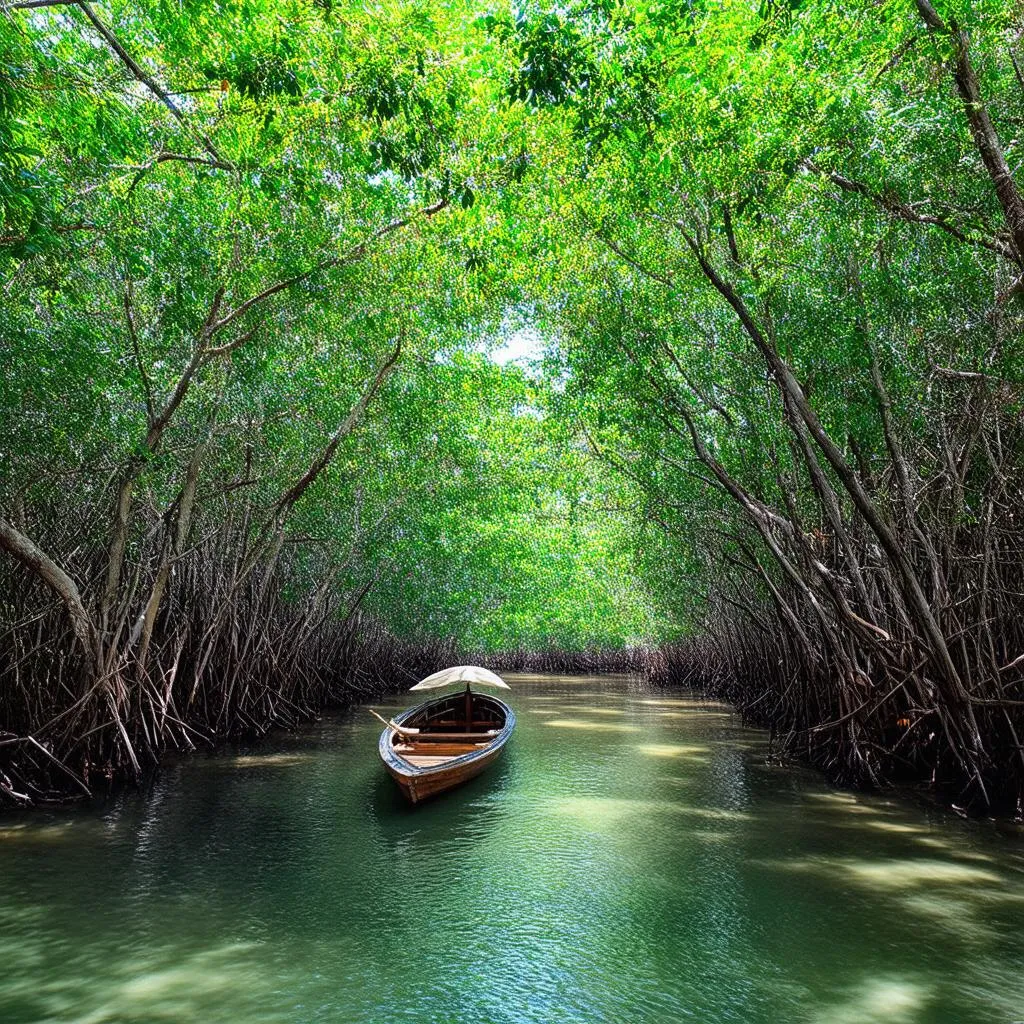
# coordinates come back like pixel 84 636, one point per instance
pixel 633 859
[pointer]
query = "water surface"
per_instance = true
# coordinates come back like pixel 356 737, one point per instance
pixel 633 859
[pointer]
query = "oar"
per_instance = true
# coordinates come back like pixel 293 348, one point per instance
pixel 393 724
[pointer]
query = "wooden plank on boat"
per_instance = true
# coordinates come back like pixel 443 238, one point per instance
pixel 469 737
pixel 436 749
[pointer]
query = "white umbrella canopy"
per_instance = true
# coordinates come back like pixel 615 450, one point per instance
pixel 462 674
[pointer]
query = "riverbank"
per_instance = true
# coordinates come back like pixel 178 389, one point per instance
pixel 375 664
pixel 57 751
pixel 880 743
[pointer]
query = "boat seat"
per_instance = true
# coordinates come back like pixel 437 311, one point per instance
pixel 456 723
pixel 437 749
pixel 435 737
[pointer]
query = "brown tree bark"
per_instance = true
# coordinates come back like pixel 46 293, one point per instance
pixel 986 138
pixel 28 553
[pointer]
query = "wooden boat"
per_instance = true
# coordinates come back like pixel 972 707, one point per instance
pixel 446 741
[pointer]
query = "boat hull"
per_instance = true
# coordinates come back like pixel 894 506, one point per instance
pixel 419 782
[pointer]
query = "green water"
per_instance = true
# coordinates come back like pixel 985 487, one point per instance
pixel 632 859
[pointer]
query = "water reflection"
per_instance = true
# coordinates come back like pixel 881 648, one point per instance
pixel 633 858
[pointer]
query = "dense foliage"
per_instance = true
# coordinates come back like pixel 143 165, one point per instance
pixel 257 257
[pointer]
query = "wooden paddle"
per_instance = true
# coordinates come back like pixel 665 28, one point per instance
pixel 405 730
pixel 432 736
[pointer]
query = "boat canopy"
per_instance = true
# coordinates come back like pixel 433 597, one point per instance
pixel 462 674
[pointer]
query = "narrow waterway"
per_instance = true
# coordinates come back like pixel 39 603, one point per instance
pixel 633 859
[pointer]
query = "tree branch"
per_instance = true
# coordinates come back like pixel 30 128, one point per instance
pixel 665 279
pixel 150 83
pixel 28 5
pixel 790 387
pixel 899 209
pixel 353 254
pixel 133 335
pixel 61 229
pixel 986 138
pixel 24 549
pixel 292 495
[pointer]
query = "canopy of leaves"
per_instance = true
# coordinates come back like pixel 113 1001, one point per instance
pixel 340 178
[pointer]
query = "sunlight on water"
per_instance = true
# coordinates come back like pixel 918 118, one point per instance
pixel 694 713
pixel 26 833
pixel 951 912
pixel 606 811
pixel 881 1000
pixel 843 803
pixel 201 985
pixel 633 858
pixel 689 751
pixel 897 827
pixel 901 874
pixel 580 723
pixel 597 711
pixel 270 760
pixel 692 703
pixel 898 875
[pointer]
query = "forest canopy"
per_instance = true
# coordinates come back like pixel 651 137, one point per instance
pixel 259 261
pixel 315 175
